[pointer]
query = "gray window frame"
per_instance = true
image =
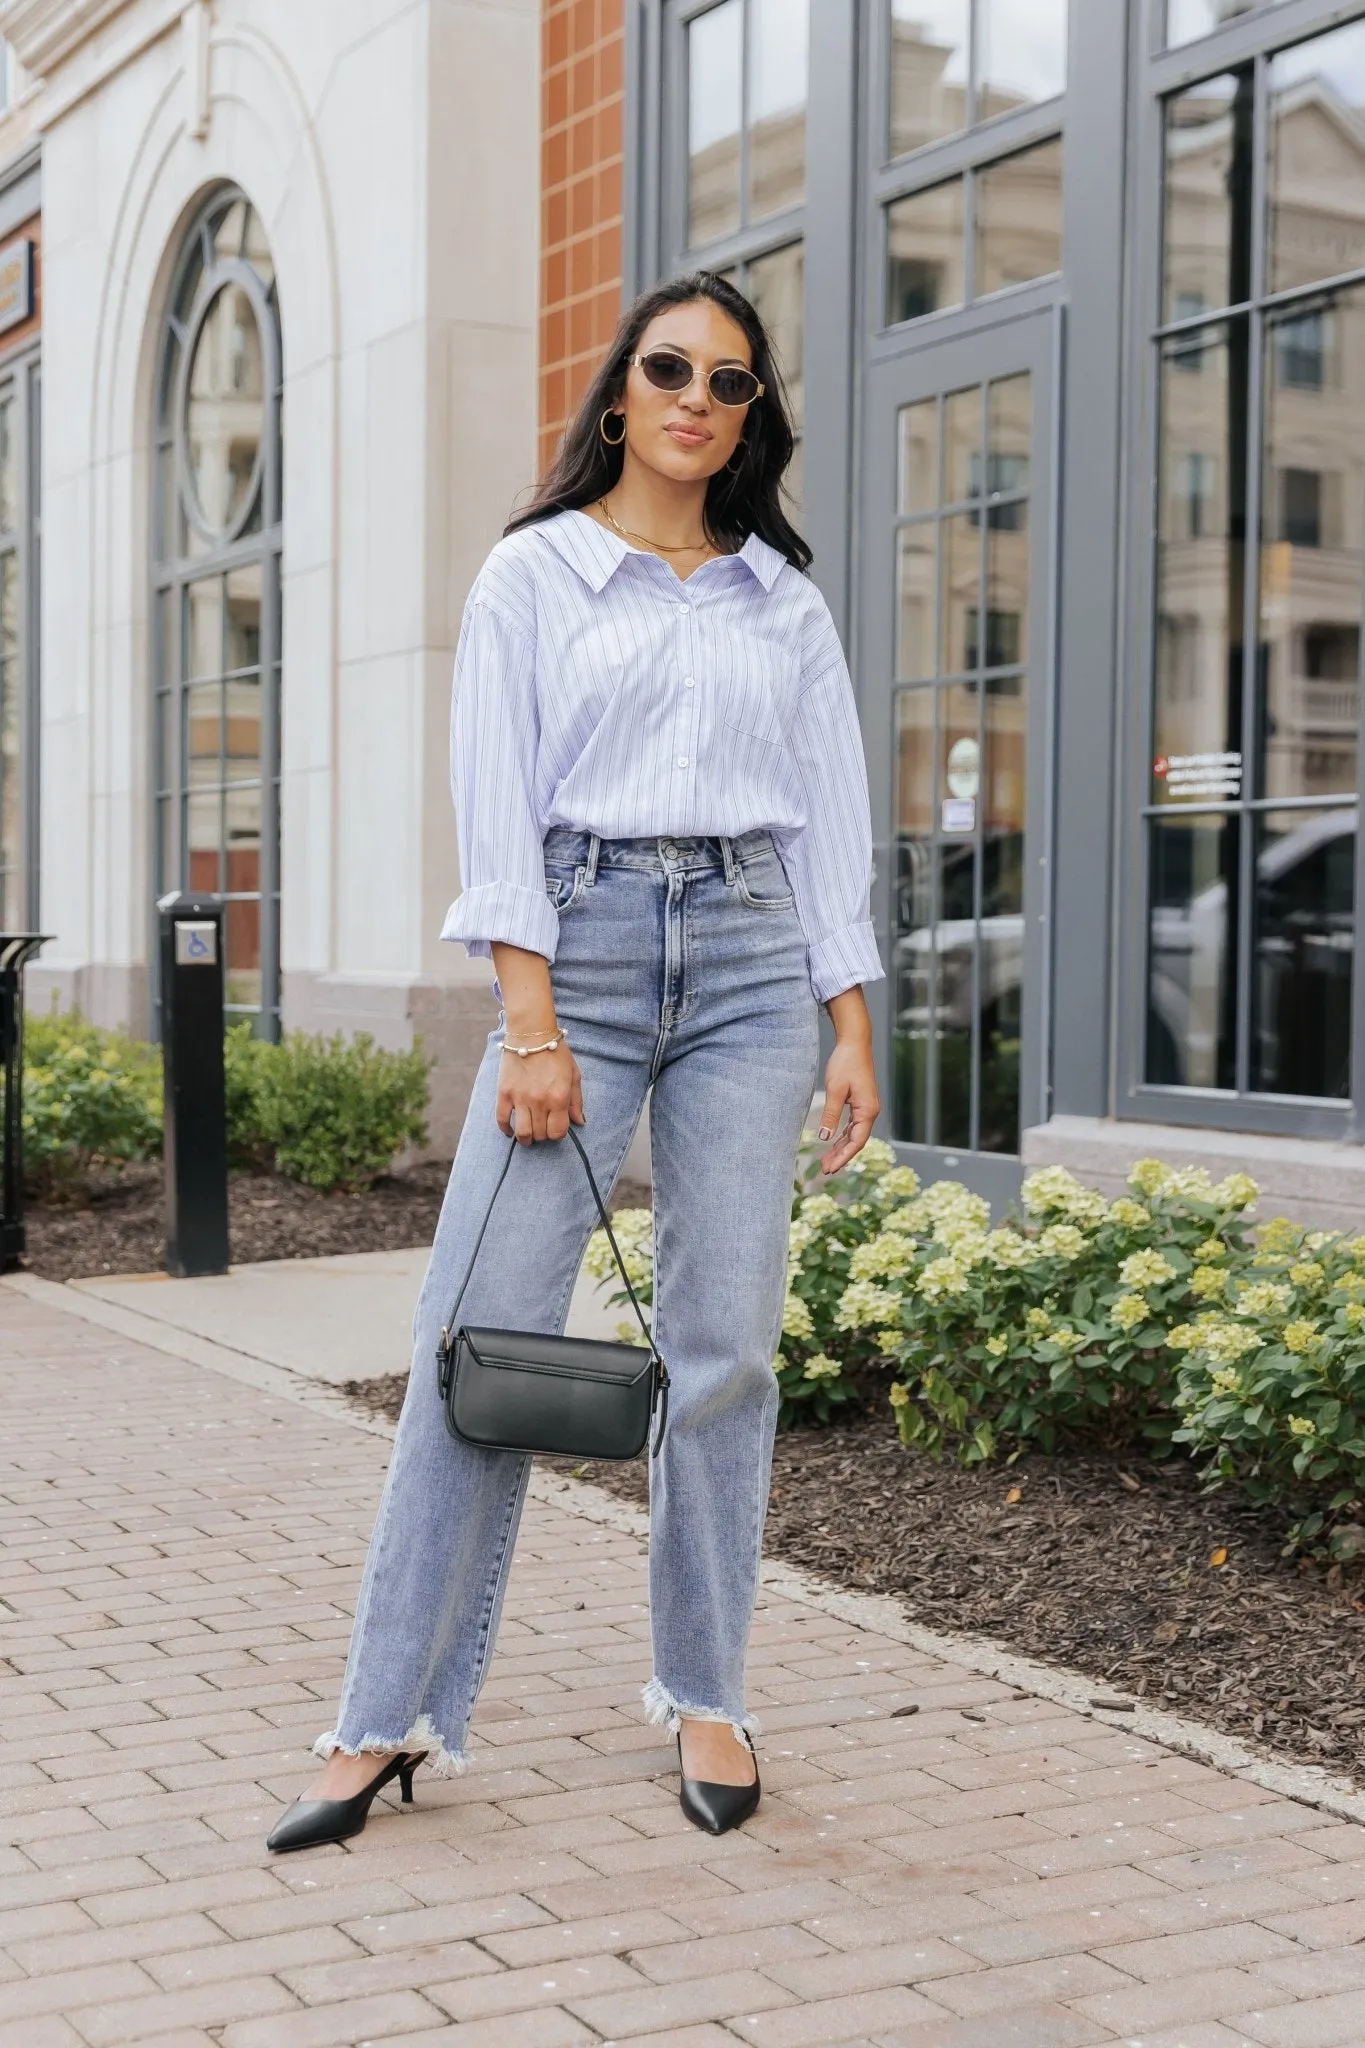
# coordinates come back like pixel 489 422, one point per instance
pixel 1158 74
pixel 173 573
pixel 21 375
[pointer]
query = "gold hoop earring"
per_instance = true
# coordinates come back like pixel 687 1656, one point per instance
pixel 612 441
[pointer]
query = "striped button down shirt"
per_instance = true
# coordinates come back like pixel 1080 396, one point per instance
pixel 595 689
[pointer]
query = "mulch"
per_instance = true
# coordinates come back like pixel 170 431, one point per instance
pixel 1102 1564
pixel 118 1224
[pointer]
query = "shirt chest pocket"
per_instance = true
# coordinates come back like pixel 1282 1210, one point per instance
pixel 749 692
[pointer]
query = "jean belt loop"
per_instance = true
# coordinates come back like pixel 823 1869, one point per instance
pixel 727 851
pixel 590 871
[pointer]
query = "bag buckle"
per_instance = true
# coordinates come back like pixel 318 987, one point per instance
pixel 659 1400
pixel 444 1359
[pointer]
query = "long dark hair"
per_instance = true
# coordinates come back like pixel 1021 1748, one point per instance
pixel 738 502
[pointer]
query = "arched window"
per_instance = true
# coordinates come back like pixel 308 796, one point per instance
pixel 216 548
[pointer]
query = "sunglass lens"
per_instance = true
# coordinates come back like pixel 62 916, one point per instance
pixel 666 371
pixel 733 386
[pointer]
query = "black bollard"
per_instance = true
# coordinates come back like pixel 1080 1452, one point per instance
pixel 16 950
pixel 195 1089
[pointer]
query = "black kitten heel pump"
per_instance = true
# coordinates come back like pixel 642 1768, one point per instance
pixel 718 1808
pixel 310 1822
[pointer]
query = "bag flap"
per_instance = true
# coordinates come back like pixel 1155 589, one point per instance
pixel 541 1351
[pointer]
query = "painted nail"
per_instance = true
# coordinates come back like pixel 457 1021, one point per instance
pixel 825 1133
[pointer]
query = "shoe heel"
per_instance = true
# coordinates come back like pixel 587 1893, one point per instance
pixel 405 1772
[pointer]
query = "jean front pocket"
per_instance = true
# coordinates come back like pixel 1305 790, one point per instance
pixel 762 883
pixel 564 886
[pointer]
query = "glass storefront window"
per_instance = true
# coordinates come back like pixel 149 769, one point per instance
pixel 1186 19
pixel 960 765
pixel 1208 149
pixel 1021 54
pixel 1018 219
pixel 924 252
pixel 715 71
pixel 1303 946
pixel 1316 228
pixel 776 285
pixel 1313 550
pixel 747 64
pixel 955 65
pixel 1255 747
pixel 950 72
pixel 1200 567
pixel 218 530
pixel 929 70
pixel 1191 972
pixel 776 105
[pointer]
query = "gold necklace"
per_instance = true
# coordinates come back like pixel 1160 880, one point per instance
pixel 691 547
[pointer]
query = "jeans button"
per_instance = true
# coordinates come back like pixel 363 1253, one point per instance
pixel 670 850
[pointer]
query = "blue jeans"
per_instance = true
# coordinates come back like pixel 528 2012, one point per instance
pixel 681 964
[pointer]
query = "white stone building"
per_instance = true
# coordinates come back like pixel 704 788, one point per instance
pixel 287 305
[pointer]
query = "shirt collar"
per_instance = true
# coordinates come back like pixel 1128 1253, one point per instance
pixel 597 553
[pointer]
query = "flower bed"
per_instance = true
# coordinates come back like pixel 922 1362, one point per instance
pixel 1158 1320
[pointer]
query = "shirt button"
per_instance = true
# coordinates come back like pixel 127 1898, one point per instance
pixel 682 760
pixel 688 681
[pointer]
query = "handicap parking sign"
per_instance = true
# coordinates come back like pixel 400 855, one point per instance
pixel 196 944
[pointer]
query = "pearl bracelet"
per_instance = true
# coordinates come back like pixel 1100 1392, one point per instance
pixel 522 1050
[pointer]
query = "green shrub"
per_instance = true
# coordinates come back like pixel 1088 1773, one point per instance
pixel 329 1112
pixel 1052 1330
pixel 88 1095
pixel 245 1059
pixel 325 1111
pixel 1271 1391
pixel 1055 1331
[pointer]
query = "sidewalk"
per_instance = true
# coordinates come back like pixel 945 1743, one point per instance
pixel 180 1555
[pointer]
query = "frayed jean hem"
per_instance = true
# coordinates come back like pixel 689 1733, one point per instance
pixel 663 1710
pixel 442 1762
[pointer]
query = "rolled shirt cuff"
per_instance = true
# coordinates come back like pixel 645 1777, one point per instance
pixel 844 959
pixel 508 912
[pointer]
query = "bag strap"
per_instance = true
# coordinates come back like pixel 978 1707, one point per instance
pixel 447 1334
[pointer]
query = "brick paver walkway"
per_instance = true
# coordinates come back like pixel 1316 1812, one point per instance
pixel 179 1558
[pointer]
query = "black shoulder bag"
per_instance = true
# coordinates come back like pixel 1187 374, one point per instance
pixel 522 1390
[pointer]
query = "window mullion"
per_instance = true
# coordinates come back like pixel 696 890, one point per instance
pixel 1251 581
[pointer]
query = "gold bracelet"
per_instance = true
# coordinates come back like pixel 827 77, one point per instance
pixel 550 1045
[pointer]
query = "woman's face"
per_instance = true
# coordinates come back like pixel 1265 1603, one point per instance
pixel 686 435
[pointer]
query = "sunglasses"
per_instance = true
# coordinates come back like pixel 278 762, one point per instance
pixel 669 370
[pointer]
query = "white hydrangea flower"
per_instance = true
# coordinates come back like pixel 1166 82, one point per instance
pixel 822 1367
pixel 865 1306
pixel 1238 1191
pixel 1063 1241
pixel 876 1157
pixel 1227 1342
pixel 817 1209
pixel 1263 1298
pixel 1146 1269
pixel 882 1258
pixel 1130 1311
pixel 941 1277
pixel 1128 1214
pixel 796 1319
pixel 898 1184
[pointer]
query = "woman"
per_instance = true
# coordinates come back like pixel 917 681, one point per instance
pixel 665 845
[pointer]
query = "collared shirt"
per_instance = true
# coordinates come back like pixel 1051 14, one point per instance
pixel 596 689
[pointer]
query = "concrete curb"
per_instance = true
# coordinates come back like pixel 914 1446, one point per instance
pixel 879 1613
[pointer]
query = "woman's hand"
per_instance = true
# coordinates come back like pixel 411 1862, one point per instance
pixel 540 1096
pixel 850 1079
pixel 544 1092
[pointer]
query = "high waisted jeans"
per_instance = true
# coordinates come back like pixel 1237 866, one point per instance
pixel 681 963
